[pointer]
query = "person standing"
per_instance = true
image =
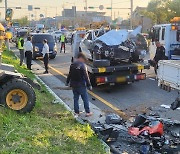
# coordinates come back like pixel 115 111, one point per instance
pixel 159 55
pixel 79 81
pixel 63 42
pixel 21 49
pixel 28 52
pixel 45 52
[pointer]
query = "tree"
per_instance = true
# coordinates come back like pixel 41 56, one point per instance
pixel 174 7
pixel 22 21
pixel 159 9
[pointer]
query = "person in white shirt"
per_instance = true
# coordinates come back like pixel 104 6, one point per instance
pixel 45 52
pixel 28 52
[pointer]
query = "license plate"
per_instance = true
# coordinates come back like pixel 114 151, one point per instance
pixel 121 79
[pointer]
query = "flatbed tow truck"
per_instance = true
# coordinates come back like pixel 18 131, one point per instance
pixel 117 74
pixel 124 72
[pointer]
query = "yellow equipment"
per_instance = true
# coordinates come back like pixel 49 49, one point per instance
pixel 16 91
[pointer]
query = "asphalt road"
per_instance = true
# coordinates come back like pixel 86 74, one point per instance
pixel 132 99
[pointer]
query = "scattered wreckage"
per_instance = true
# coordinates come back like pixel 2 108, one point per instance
pixel 146 135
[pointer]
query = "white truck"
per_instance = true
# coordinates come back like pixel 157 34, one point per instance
pixel 169 74
pixel 169 78
pixel 169 36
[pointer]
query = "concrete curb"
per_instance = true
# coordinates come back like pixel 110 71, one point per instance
pixel 60 101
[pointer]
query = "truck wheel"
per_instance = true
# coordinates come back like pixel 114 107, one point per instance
pixel 18 95
pixel 101 63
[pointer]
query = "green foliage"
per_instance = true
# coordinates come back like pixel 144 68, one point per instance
pixel 161 11
pixel 49 128
pixel 174 6
pixel 22 21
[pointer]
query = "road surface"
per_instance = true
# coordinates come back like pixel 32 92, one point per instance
pixel 132 99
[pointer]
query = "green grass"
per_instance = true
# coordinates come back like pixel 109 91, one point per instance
pixel 49 128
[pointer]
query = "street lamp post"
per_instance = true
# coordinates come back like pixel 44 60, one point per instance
pixel 111 8
pixel 142 22
pixel 131 19
pixel 5 5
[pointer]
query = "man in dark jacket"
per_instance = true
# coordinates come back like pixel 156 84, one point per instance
pixel 159 55
pixel 79 81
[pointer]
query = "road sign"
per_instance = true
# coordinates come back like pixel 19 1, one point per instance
pixel 37 8
pixel 30 7
pixel 18 7
pixel 109 8
pixel 91 7
pixel 101 7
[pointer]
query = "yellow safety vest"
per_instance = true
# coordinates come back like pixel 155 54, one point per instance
pixel 19 44
pixel 62 38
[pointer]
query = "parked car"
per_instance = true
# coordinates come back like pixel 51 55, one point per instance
pixel 50 32
pixel 23 33
pixel 57 35
pixel 69 37
pixel 37 41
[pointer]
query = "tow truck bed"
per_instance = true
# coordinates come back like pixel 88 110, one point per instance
pixel 122 73
pixel 117 68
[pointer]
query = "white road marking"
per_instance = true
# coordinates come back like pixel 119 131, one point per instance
pixel 152 79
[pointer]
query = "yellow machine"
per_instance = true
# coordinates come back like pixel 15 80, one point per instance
pixel 16 91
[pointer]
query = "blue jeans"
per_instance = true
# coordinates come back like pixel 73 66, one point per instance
pixel 82 91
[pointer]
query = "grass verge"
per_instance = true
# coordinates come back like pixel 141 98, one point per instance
pixel 49 128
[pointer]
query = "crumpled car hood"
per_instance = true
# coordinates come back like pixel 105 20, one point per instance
pixel 116 37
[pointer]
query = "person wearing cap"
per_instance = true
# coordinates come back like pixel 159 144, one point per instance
pixel 28 52
pixel 45 52
pixel 79 81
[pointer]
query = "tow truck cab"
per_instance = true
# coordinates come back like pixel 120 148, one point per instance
pixel 169 36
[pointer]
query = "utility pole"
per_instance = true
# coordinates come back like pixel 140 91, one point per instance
pixel 86 7
pixel 131 18
pixel 5 5
pixel 111 9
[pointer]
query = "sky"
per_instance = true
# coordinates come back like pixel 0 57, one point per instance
pixel 51 8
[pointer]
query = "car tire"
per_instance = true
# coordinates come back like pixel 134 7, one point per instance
pixel 101 63
pixel 23 93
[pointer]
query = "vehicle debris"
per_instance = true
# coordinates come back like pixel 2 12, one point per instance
pixel 147 134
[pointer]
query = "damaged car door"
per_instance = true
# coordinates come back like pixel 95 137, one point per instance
pixel 87 44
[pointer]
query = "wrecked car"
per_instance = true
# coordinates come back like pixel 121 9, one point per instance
pixel 114 46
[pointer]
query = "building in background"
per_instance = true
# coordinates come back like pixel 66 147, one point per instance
pixel 72 17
